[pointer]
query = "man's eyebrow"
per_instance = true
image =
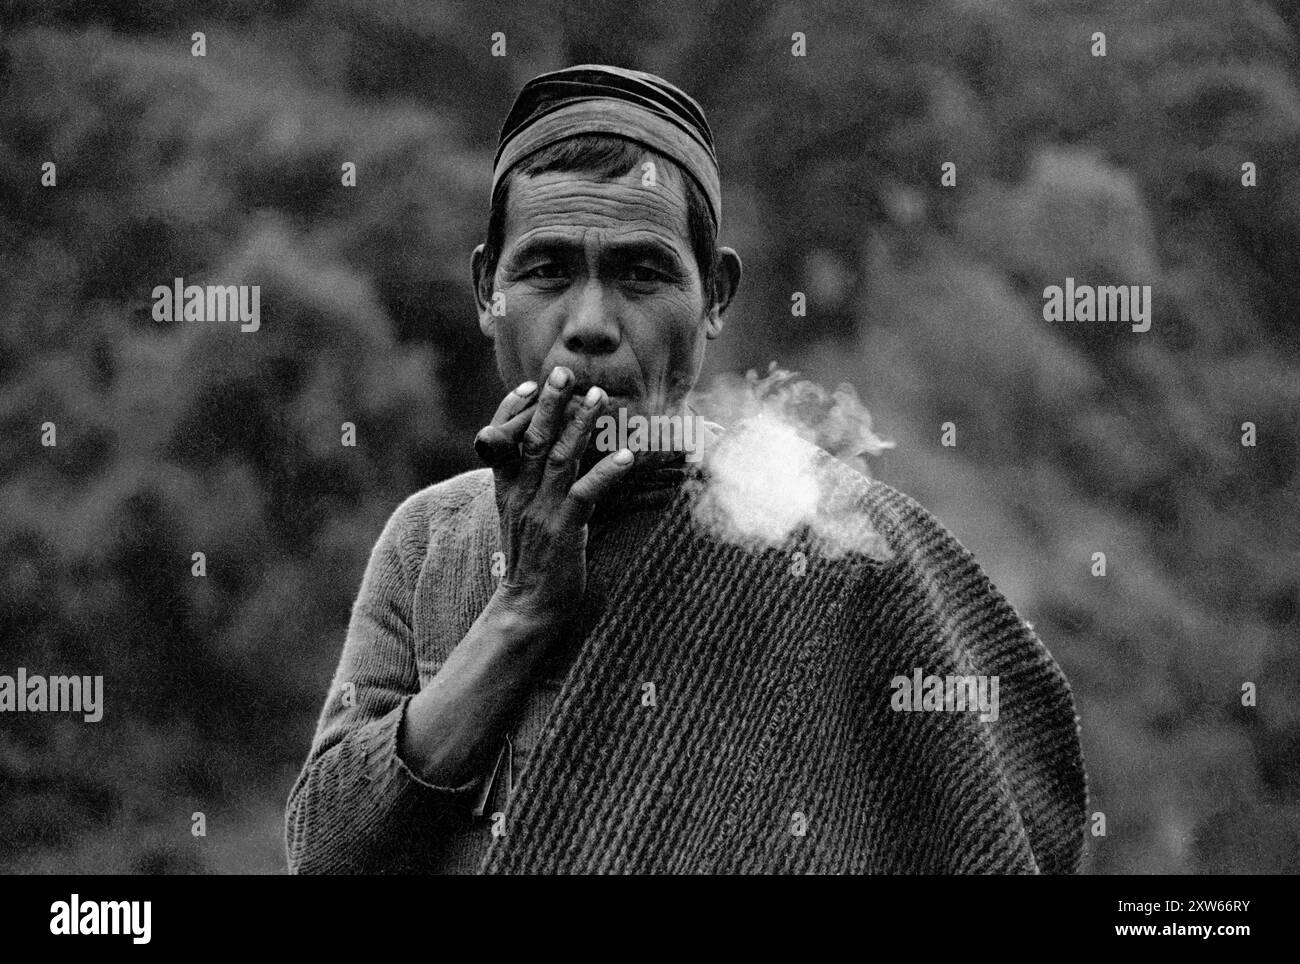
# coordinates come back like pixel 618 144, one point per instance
pixel 544 244
pixel 656 252
pixel 621 251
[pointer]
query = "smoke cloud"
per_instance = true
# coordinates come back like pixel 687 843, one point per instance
pixel 763 481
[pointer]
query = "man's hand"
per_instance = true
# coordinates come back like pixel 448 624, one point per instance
pixel 542 503
pixel 453 725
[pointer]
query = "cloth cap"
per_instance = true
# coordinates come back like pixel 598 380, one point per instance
pixel 599 99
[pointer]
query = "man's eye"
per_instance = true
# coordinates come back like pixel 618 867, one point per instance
pixel 643 275
pixel 550 271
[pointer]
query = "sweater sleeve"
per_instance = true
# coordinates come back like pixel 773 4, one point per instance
pixel 356 807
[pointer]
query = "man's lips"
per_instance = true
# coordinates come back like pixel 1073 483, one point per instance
pixel 612 387
pixel 612 400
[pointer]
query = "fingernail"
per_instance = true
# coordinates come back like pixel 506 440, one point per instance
pixel 622 456
pixel 526 389
pixel 592 398
pixel 559 377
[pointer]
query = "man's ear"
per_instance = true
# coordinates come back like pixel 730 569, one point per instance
pixel 482 290
pixel 728 282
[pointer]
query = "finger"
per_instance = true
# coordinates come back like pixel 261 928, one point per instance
pixel 545 426
pixel 515 402
pixel 563 460
pixel 592 487
pixel 497 441
pixel 498 444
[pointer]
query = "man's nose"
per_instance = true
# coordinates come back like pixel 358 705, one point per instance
pixel 591 327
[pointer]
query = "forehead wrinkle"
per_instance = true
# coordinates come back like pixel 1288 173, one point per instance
pixel 617 238
pixel 628 189
pixel 551 200
pixel 667 181
pixel 589 206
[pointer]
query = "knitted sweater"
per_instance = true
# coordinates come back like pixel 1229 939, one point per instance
pixel 772 743
pixel 624 520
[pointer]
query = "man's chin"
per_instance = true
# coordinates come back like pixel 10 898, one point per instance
pixel 642 461
pixel 623 411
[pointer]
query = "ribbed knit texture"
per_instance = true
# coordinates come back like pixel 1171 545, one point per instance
pixel 625 519
pixel 772 700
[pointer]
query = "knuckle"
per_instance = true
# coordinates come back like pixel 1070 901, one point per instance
pixel 534 443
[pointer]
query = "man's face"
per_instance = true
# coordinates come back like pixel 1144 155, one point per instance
pixel 598 276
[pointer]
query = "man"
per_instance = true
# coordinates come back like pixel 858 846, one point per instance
pixel 550 668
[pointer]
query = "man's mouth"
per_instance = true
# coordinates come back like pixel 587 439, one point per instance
pixel 612 399
pixel 612 389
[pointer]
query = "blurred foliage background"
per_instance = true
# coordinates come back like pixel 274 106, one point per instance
pixel 1072 438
